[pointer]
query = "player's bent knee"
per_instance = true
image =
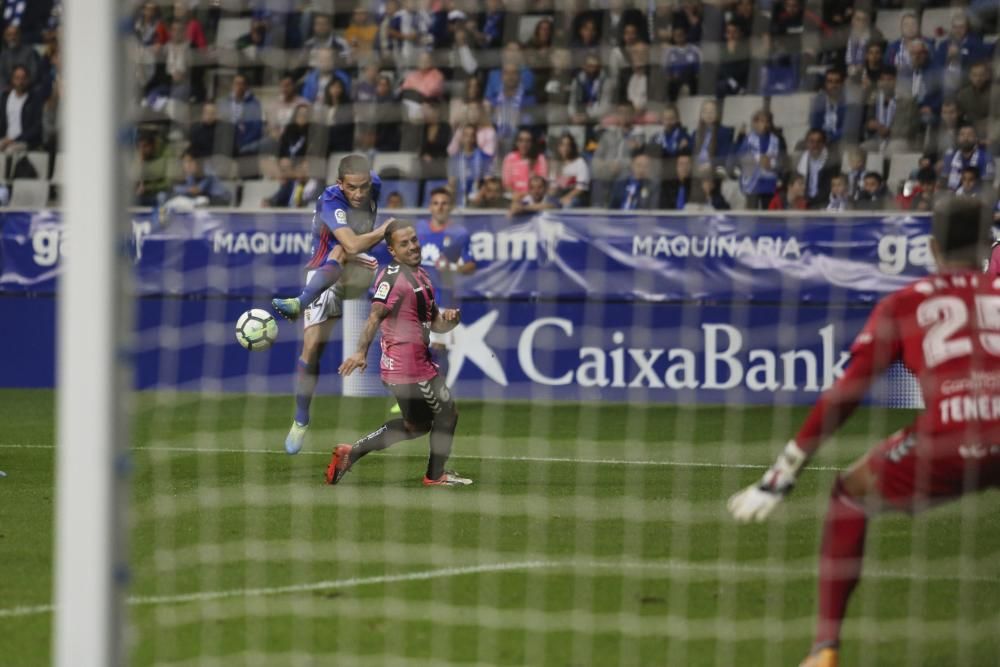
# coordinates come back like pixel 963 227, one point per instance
pixel 415 429
pixel 859 481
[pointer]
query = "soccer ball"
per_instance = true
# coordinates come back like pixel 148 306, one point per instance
pixel 256 330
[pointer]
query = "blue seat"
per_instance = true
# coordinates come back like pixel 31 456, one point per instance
pixel 410 191
pixel 430 186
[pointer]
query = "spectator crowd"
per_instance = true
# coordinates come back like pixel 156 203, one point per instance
pixel 676 104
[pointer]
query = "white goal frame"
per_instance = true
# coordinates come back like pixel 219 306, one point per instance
pixel 93 374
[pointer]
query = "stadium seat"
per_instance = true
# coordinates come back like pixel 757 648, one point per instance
pixel 404 163
pixel 29 194
pixel 900 166
pixel 738 109
pixel 791 110
pixel 731 192
pixel 526 26
pixel 410 191
pixel 887 21
pixel 332 163
pixel 794 133
pixel 875 162
pixel 256 190
pixel 936 23
pixel 231 29
pixel 57 169
pixel 223 167
pixel 429 186
pixel 40 161
pixel 579 133
pixel 689 109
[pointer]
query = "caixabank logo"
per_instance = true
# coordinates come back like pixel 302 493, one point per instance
pixel 576 355
pixel 550 351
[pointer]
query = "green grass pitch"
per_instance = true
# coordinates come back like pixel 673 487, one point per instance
pixel 607 545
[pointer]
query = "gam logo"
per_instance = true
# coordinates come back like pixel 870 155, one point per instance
pixel 896 252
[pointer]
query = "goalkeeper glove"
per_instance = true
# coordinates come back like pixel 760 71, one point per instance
pixel 757 501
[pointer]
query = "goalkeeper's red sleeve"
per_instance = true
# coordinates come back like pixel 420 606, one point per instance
pixel 875 348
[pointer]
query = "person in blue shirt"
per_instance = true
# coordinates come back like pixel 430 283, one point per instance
pixel 446 251
pixel 958 51
pixel 343 229
pixel 243 111
pixel 638 190
pixel 967 154
pixel 468 167
pixel 830 113
pixel 759 157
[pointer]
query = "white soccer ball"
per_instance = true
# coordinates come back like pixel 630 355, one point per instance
pixel 256 330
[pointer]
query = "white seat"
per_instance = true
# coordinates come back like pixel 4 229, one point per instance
pixel 887 22
pixel 332 163
pixel 934 20
pixel 791 110
pixel 29 194
pixel 794 133
pixel 689 109
pixel 900 166
pixel 731 192
pixel 406 163
pixel 578 132
pixel 231 29
pixel 875 162
pixel 57 170
pixel 40 162
pixel 739 109
pixel 526 26
pixel 256 191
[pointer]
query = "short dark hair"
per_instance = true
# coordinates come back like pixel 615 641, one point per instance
pixel 442 191
pixel 873 174
pixel 353 165
pixel 961 227
pixel 394 227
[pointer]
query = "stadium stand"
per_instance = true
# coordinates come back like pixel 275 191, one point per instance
pixel 528 67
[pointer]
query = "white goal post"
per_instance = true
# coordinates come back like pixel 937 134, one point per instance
pixel 94 329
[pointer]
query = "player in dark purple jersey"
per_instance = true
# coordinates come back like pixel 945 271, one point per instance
pixel 343 231
pixel 445 248
pixel 405 310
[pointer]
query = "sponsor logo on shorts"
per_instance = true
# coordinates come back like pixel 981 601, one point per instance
pixel 382 291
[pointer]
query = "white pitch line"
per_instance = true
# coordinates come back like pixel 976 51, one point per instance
pixel 460 457
pixel 720 567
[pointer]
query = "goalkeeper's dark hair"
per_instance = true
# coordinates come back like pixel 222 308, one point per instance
pixel 394 227
pixel 353 165
pixel 961 227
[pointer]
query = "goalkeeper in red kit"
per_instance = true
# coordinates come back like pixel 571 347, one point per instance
pixel 405 309
pixel 945 329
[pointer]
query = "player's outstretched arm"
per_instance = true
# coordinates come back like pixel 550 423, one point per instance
pixel 874 349
pixel 355 243
pixel 446 320
pixel 359 360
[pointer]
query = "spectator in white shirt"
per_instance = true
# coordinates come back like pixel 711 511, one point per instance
pixel 570 174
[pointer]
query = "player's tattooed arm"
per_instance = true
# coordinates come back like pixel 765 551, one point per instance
pixel 446 320
pixel 359 360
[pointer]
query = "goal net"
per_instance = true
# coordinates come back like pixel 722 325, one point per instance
pixel 631 351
